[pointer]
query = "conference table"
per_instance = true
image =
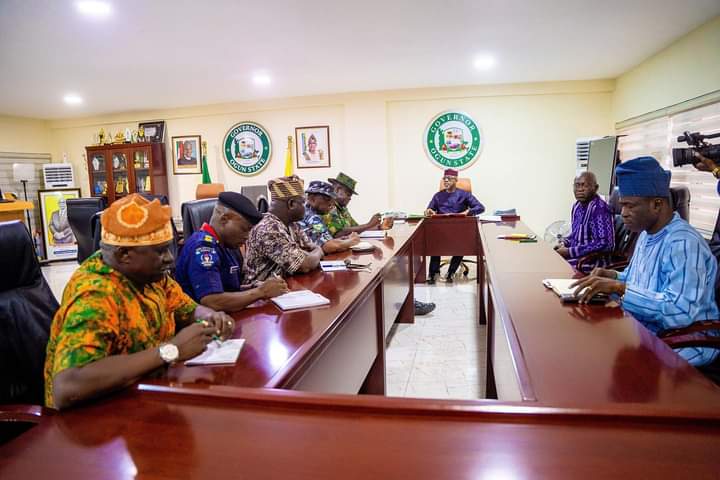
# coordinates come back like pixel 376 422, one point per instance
pixel 573 391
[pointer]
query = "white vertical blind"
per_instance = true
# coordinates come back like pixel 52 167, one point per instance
pixel 658 137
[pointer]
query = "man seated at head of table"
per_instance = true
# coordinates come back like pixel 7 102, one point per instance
pixel 122 316
pixel 592 225
pixel 320 199
pixel 670 282
pixel 210 266
pixel 338 220
pixel 451 200
pixel 277 245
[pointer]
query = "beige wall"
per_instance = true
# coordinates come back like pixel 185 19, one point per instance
pixel 686 69
pixel 528 161
pixel 24 135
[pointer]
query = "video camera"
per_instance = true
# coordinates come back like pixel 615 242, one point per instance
pixel 684 156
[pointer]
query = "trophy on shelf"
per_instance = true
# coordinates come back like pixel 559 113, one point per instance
pixel 128 135
pixel 108 138
pixel 134 136
pixel 119 138
pixel 141 134
pixel 101 137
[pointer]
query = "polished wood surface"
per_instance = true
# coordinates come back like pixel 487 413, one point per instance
pixel 603 398
pixel 237 433
pixel 280 346
pixel 579 354
pixel 14 210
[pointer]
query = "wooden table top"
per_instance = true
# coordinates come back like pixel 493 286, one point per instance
pixel 276 341
pixel 15 206
pixel 582 354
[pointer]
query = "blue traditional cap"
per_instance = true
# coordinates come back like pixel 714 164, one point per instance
pixel 643 177
pixel 323 188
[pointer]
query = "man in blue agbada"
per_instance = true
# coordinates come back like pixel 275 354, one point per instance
pixel 451 200
pixel 210 266
pixel 670 282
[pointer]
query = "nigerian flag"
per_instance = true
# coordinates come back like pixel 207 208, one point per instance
pixel 205 171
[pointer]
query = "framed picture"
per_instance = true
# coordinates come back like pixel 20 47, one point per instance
pixel 154 131
pixel 58 238
pixel 312 146
pixel 186 154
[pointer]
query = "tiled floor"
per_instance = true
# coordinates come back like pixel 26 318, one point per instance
pixel 441 355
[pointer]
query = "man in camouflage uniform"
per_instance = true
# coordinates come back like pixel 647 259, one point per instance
pixel 339 221
pixel 277 245
pixel 320 199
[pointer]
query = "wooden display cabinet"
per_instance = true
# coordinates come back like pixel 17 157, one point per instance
pixel 117 170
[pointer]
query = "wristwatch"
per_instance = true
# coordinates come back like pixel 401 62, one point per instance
pixel 716 172
pixel 169 352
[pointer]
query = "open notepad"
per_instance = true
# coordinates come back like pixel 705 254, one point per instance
pixel 373 234
pixel 300 299
pixel 561 287
pixel 217 353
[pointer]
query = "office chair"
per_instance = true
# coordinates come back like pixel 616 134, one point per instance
pixel 258 194
pixel 624 238
pixel 27 307
pixel 195 213
pixel 80 212
pixel 466 185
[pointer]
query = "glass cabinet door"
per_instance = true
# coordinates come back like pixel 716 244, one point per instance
pixel 141 164
pixel 98 175
pixel 120 176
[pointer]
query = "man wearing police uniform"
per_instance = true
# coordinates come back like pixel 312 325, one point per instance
pixel 319 201
pixel 210 267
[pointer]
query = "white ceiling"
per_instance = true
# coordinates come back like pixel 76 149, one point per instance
pixel 169 53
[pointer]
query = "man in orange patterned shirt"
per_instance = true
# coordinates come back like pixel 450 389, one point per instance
pixel 122 316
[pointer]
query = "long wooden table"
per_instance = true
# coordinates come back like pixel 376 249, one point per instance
pixel 584 392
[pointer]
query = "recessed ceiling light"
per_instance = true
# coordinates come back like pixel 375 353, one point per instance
pixel 72 99
pixel 94 8
pixel 484 62
pixel 261 79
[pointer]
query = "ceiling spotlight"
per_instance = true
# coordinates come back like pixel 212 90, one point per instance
pixel 94 8
pixel 261 79
pixel 484 62
pixel 72 99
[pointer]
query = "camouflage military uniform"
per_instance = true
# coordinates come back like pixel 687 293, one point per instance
pixel 314 227
pixel 338 219
pixel 274 248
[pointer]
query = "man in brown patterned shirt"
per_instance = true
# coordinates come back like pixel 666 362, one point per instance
pixel 277 245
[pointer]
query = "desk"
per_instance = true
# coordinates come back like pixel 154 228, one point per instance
pixel 14 211
pixel 596 395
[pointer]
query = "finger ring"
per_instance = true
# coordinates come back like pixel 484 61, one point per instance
pixel 229 323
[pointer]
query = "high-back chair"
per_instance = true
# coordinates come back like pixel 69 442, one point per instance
pixel 195 213
pixel 80 213
pixel 27 307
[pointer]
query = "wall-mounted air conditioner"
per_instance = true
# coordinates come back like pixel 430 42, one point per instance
pixel 58 175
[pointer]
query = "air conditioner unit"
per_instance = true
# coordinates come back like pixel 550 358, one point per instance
pixel 582 154
pixel 58 175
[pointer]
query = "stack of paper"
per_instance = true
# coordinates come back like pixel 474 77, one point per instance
pixel 510 212
pixel 332 265
pixel 219 353
pixel 373 234
pixel 300 299
pixel 483 217
pixel 561 287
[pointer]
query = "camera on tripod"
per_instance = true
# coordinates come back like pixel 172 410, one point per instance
pixel 685 156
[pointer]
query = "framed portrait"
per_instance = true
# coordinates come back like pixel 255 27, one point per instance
pixel 312 146
pixel 58 237
pixel 186 154
pixel 154 131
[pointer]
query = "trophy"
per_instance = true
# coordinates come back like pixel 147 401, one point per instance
pixel 128 135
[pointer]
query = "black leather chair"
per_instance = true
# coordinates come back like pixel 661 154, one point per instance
pixel 680 201
pixel 80 212
pixel 258 194
pixel 27 307
pixel 195 213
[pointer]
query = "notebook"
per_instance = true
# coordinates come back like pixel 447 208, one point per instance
pixel 561 287
pixel 489 218
pixel 332 265
pixel 373 234
pixel 219 353
pixel 300 299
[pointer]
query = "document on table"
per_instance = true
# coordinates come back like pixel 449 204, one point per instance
pixel 373 234
pixel 300 299
pixel 219 353
pixel 561 287
pixel 332 265
pixel 489 218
